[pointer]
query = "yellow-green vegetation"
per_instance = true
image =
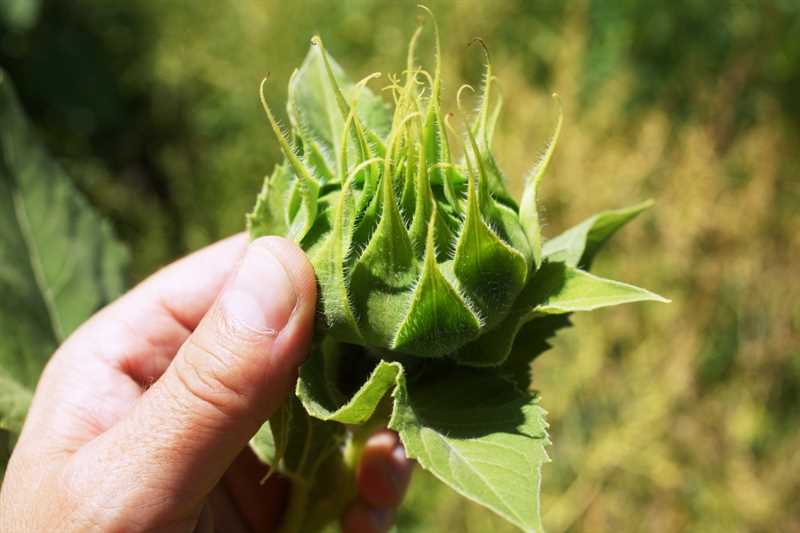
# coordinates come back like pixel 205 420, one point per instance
pixel 694 426
pixel 663 418
pixel 437 288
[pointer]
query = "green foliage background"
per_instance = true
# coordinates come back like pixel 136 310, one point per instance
pixel 664 418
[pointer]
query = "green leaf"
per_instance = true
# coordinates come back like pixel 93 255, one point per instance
pixel 438 320
pixel 493 346
pixel 528 208
pixel 19 15
pixel 14 402
pixel 423 209
pixel 303 205
pixel 352 127
pixel 299 442
pixel 308 451
pixel 505 222
pixel 59 261
pixel 314 109
pixel 436 147
pixel 329 265
pixel 566 289
pixel 554 291
pixel 6 446
pixel 490 272
pixel 484 127
pixel 424 205
pixel 318 391
pixel 310 442
pixel 263 445
pixel 269 214
pixel 316 159
pixel 480 435
pixel 532 340
pixel 384 274
pixel 578 245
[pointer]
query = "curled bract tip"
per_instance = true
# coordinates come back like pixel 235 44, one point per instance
pixel 448 117
pixel 366 79
pixel 460 92
pixel 261 87
pixel 481 42
pixel 416 255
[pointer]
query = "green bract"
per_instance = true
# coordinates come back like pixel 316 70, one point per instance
pixel 427 270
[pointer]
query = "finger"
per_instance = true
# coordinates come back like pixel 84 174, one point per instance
pixel 360 517
pixel 140 332
pixel 188 287
pixel 260 503
pixel 223 513
pixel 229 376
pixel 383 475
pixel 100 371
pixel 383 470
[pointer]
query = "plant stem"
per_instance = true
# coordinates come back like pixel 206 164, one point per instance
pixel 338 479
pixel 352 450
pixel 297 507
pixel 297 517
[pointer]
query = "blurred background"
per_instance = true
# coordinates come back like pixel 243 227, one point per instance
pixel 664 418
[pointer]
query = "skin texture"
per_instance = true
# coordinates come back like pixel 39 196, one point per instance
pixel 142 417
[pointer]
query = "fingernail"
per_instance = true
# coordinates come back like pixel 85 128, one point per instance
pixel 399 454
pixel 261 296
pixel 380 518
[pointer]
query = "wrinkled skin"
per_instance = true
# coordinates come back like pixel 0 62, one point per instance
pixel 142 417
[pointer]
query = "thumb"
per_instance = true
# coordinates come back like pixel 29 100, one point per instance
pixel 232 373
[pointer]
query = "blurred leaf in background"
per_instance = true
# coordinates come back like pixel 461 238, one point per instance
pixel 696 57
pixel 82 72
pixel 59 263
pixel 19 15
pixel 663 419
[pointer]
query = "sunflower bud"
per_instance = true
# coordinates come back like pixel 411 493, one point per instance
pixel 416 254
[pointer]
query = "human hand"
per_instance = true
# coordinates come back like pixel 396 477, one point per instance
pixel 141 420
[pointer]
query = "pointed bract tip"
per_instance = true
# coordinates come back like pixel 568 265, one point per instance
pixel 430 239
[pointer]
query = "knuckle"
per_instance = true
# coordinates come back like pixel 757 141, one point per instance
pixel 212 377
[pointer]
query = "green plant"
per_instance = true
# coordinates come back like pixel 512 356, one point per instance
pixel 437 290
pixel 59 260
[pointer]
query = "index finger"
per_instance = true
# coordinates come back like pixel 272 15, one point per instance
pixel 96 375
pixel 140 332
